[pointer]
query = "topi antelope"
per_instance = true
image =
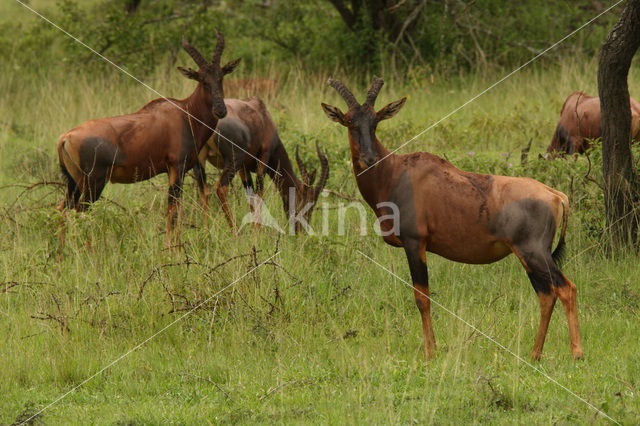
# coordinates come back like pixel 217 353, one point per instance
pixel 258 149
pixel 462 216
pixel 164 136
pixel 580 121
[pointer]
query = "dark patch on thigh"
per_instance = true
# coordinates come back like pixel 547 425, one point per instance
pixel 402 195
pixel 544 272
pixel 523 222
pixel 96 154
pixel 234 142
pixel 529 225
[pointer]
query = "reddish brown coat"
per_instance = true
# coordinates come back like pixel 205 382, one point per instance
pixel 164 136
pixel 257 148
pixel 462 216
pixel 260 87
pixel 580 122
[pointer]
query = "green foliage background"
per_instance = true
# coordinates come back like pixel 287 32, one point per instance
pixel 445 35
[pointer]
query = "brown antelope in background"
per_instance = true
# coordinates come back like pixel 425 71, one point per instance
pixel 580 121
pixel 164 136
pixel 261 87
pixel 250 126
pixel 462 216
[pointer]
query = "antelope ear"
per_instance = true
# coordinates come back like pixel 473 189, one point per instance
pixel 190 73
pixel 230 66
pixel 390 110
pixel 334 113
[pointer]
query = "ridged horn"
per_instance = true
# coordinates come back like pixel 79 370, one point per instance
pixel 302 168
pixel 217 54
pixel 372 94
pixel 195 55
pixel 344 92
pixel 324 170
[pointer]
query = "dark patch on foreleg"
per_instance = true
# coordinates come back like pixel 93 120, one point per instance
pixel 176 177
pixel 201 179
pixel 175 196
pixel 247 181
pixel 222 187
pixel 416 252
pixel 402 195
pixel 260 183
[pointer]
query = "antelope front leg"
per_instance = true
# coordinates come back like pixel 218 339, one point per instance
pixel 222 187
pixel 260 175
pixel 255 203
pixel 173 205
pixel 201 179
pixel 416 255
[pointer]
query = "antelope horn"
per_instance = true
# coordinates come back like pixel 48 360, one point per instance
pixel 344 92
pixel 312 177
pixel 303 170
pixel 195 55
pixel 324 170
pixel 372 94
pixel 217 54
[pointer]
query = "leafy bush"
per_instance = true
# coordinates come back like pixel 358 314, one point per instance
pixel 412 36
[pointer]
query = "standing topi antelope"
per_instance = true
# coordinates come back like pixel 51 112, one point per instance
pixel 581 120
pixel 164 136
pixel 250 126
pixel 465 217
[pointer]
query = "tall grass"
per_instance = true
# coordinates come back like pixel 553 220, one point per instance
pixel 321 334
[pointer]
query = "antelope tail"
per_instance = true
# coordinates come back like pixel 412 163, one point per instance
pixel 558 253
pixel 63 168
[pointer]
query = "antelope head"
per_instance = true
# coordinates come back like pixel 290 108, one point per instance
pixel 210 74
pixel 362 120
pixel 307 193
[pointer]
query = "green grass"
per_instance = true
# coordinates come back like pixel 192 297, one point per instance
pixel 324 336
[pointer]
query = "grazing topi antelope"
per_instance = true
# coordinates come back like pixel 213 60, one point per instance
pixel 164 136
pixel 465 217
pixel 581 120
pixel 249 124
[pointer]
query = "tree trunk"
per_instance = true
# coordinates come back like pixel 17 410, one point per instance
pixel 620 180
pixel 131 6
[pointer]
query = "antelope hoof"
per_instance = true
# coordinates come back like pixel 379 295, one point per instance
pixel 430 353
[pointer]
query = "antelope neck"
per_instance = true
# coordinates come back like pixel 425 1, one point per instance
pixel 372 181
pixel 280 161
pixel 199 106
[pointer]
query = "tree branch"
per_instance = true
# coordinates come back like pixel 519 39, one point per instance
pixel 347 15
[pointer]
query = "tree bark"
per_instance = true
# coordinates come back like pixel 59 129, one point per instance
pixel 620 179
pixel 131 6
pixel 383 14
pixel 348 16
